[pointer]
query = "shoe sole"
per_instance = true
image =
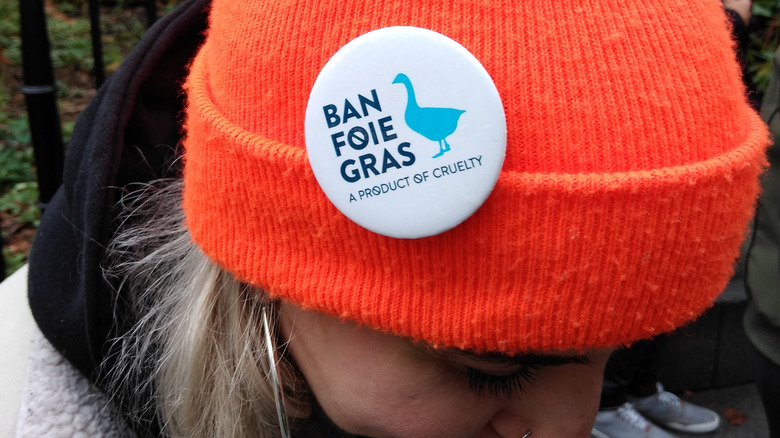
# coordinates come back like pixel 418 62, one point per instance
pixel 697 428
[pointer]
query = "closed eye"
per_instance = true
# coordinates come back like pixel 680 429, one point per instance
pixel 497 374
pixel 500 385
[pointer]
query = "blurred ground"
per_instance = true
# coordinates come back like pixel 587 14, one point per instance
pixel 742 415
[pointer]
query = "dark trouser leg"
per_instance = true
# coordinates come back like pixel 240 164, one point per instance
pixel 631 371
pixel 767 377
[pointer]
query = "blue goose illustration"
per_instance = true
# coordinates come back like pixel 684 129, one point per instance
pixel 435 124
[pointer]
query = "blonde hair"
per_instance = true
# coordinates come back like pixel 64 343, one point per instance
pixel 196 343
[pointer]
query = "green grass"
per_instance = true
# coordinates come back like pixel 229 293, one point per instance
pixel 18 186
pixel 765 37
pixel 21 202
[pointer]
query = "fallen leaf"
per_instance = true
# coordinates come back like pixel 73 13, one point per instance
pixel 734 417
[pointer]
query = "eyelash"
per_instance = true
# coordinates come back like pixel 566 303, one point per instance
pixel 500 386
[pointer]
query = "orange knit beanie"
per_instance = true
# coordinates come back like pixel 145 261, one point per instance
pixel 631 171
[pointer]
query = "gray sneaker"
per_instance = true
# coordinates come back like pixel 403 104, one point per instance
pixel 666 409
pixel 625 422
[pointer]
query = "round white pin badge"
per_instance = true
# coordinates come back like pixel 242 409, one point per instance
pixel 405 132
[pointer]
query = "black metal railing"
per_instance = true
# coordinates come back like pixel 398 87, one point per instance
pixel 40 94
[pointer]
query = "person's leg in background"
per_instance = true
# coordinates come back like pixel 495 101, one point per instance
pixel 633 400
pixel 767 378
pixel 762 268
pixel 631 372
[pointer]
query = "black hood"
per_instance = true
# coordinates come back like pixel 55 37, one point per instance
pixel 128 133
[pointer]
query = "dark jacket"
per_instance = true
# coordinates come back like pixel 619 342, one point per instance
pixel 762 274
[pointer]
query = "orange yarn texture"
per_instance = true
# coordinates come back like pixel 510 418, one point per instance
pixel 631 171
